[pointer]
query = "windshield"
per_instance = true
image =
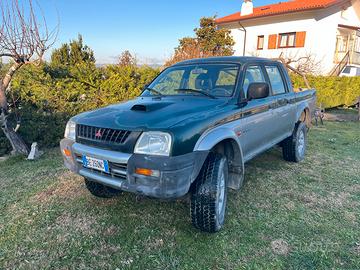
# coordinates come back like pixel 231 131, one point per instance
pixel 211 80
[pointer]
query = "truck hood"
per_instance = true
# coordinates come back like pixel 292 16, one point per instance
pixel 148 113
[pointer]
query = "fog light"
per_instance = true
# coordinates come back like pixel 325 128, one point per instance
pixel 67 152
pixel 147 172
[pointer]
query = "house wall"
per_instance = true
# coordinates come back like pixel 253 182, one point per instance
pixel 321 31
pixel 352 15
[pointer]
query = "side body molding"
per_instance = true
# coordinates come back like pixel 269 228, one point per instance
pixel 232 150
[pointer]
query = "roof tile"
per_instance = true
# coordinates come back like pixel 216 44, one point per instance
pixel 281 8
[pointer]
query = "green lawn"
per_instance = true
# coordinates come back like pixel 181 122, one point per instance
pixel 287 216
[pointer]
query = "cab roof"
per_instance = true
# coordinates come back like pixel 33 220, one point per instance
pixel 225 59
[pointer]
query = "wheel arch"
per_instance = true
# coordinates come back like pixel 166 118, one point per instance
pixel 225 142
pixel 304 115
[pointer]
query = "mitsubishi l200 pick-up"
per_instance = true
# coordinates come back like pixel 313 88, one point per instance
pixel 191 131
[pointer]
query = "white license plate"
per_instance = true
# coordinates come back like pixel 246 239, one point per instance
pixel 96 164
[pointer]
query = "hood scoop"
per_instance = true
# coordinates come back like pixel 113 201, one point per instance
pixel 139 107
pixel 149 107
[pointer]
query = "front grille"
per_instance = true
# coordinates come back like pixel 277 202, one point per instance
pixel 101 135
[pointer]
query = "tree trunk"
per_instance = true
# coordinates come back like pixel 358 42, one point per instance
pixel 18 145
pixel 3 101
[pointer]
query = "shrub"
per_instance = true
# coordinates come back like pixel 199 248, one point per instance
pixel 332 91
pixel 48 96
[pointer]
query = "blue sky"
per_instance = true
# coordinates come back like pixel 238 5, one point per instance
pixel 150 29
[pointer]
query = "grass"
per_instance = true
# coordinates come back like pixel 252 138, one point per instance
pixel 287 216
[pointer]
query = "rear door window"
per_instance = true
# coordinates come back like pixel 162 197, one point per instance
pixel 276 80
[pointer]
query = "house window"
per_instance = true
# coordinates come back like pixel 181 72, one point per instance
pixel 260 42
pixel 287 40
pixel 357 44
pixel 342 44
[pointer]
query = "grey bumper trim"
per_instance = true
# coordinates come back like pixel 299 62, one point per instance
pixel 115 183
pixel 112 156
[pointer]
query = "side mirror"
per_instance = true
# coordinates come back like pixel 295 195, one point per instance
pixel 258 90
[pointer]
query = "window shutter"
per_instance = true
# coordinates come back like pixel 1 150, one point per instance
pixel 279 40
pixel 300 39
pixel 272 42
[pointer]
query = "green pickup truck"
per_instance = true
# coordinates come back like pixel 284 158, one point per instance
pixel 191 130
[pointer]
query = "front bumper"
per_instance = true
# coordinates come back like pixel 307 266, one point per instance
pixel 176 173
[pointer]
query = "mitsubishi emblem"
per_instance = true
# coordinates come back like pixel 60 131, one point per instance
pixel 98 134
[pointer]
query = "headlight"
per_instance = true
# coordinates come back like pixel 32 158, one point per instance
pixel 154 143
pixel 70 130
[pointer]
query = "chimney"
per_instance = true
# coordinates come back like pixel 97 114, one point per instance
pixel 247 8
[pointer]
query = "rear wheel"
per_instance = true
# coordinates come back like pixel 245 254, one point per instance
pixel 101 191
pixel 209 194
pixel 294 147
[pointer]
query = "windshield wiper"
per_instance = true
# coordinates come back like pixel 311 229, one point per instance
pixel 154 91
pixel 195 91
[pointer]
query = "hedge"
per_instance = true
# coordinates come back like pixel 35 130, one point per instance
pixel 332 91
pixel 46 97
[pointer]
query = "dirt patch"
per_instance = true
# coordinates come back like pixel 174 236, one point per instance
pixel 110 231
pixel 152 244
pixel 105 250
pixel 354 188
pixel 280 247
pixel 351 217
pixel 340 117
pixel 83 223
pixel 126 262
pixel 290 205
pixel 356 249
pixel 69 186
pixel 336 200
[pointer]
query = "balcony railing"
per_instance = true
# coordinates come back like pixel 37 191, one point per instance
pixel 341 64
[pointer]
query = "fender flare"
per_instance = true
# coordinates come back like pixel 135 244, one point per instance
pixel 304 107
pixel 213 137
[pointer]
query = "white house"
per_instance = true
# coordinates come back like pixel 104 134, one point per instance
pixel 326 30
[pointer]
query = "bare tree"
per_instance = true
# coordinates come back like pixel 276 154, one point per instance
pixel 24 38
pixel 306 64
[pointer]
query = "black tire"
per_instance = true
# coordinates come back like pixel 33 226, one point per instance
pixel 101 191
pixel 294 147
pixel 209 190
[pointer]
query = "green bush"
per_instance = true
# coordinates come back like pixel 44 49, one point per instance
pixel 47 96
pixel 332 91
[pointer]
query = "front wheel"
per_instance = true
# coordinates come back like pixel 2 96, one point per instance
pixel 209 194
pixel 294 147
